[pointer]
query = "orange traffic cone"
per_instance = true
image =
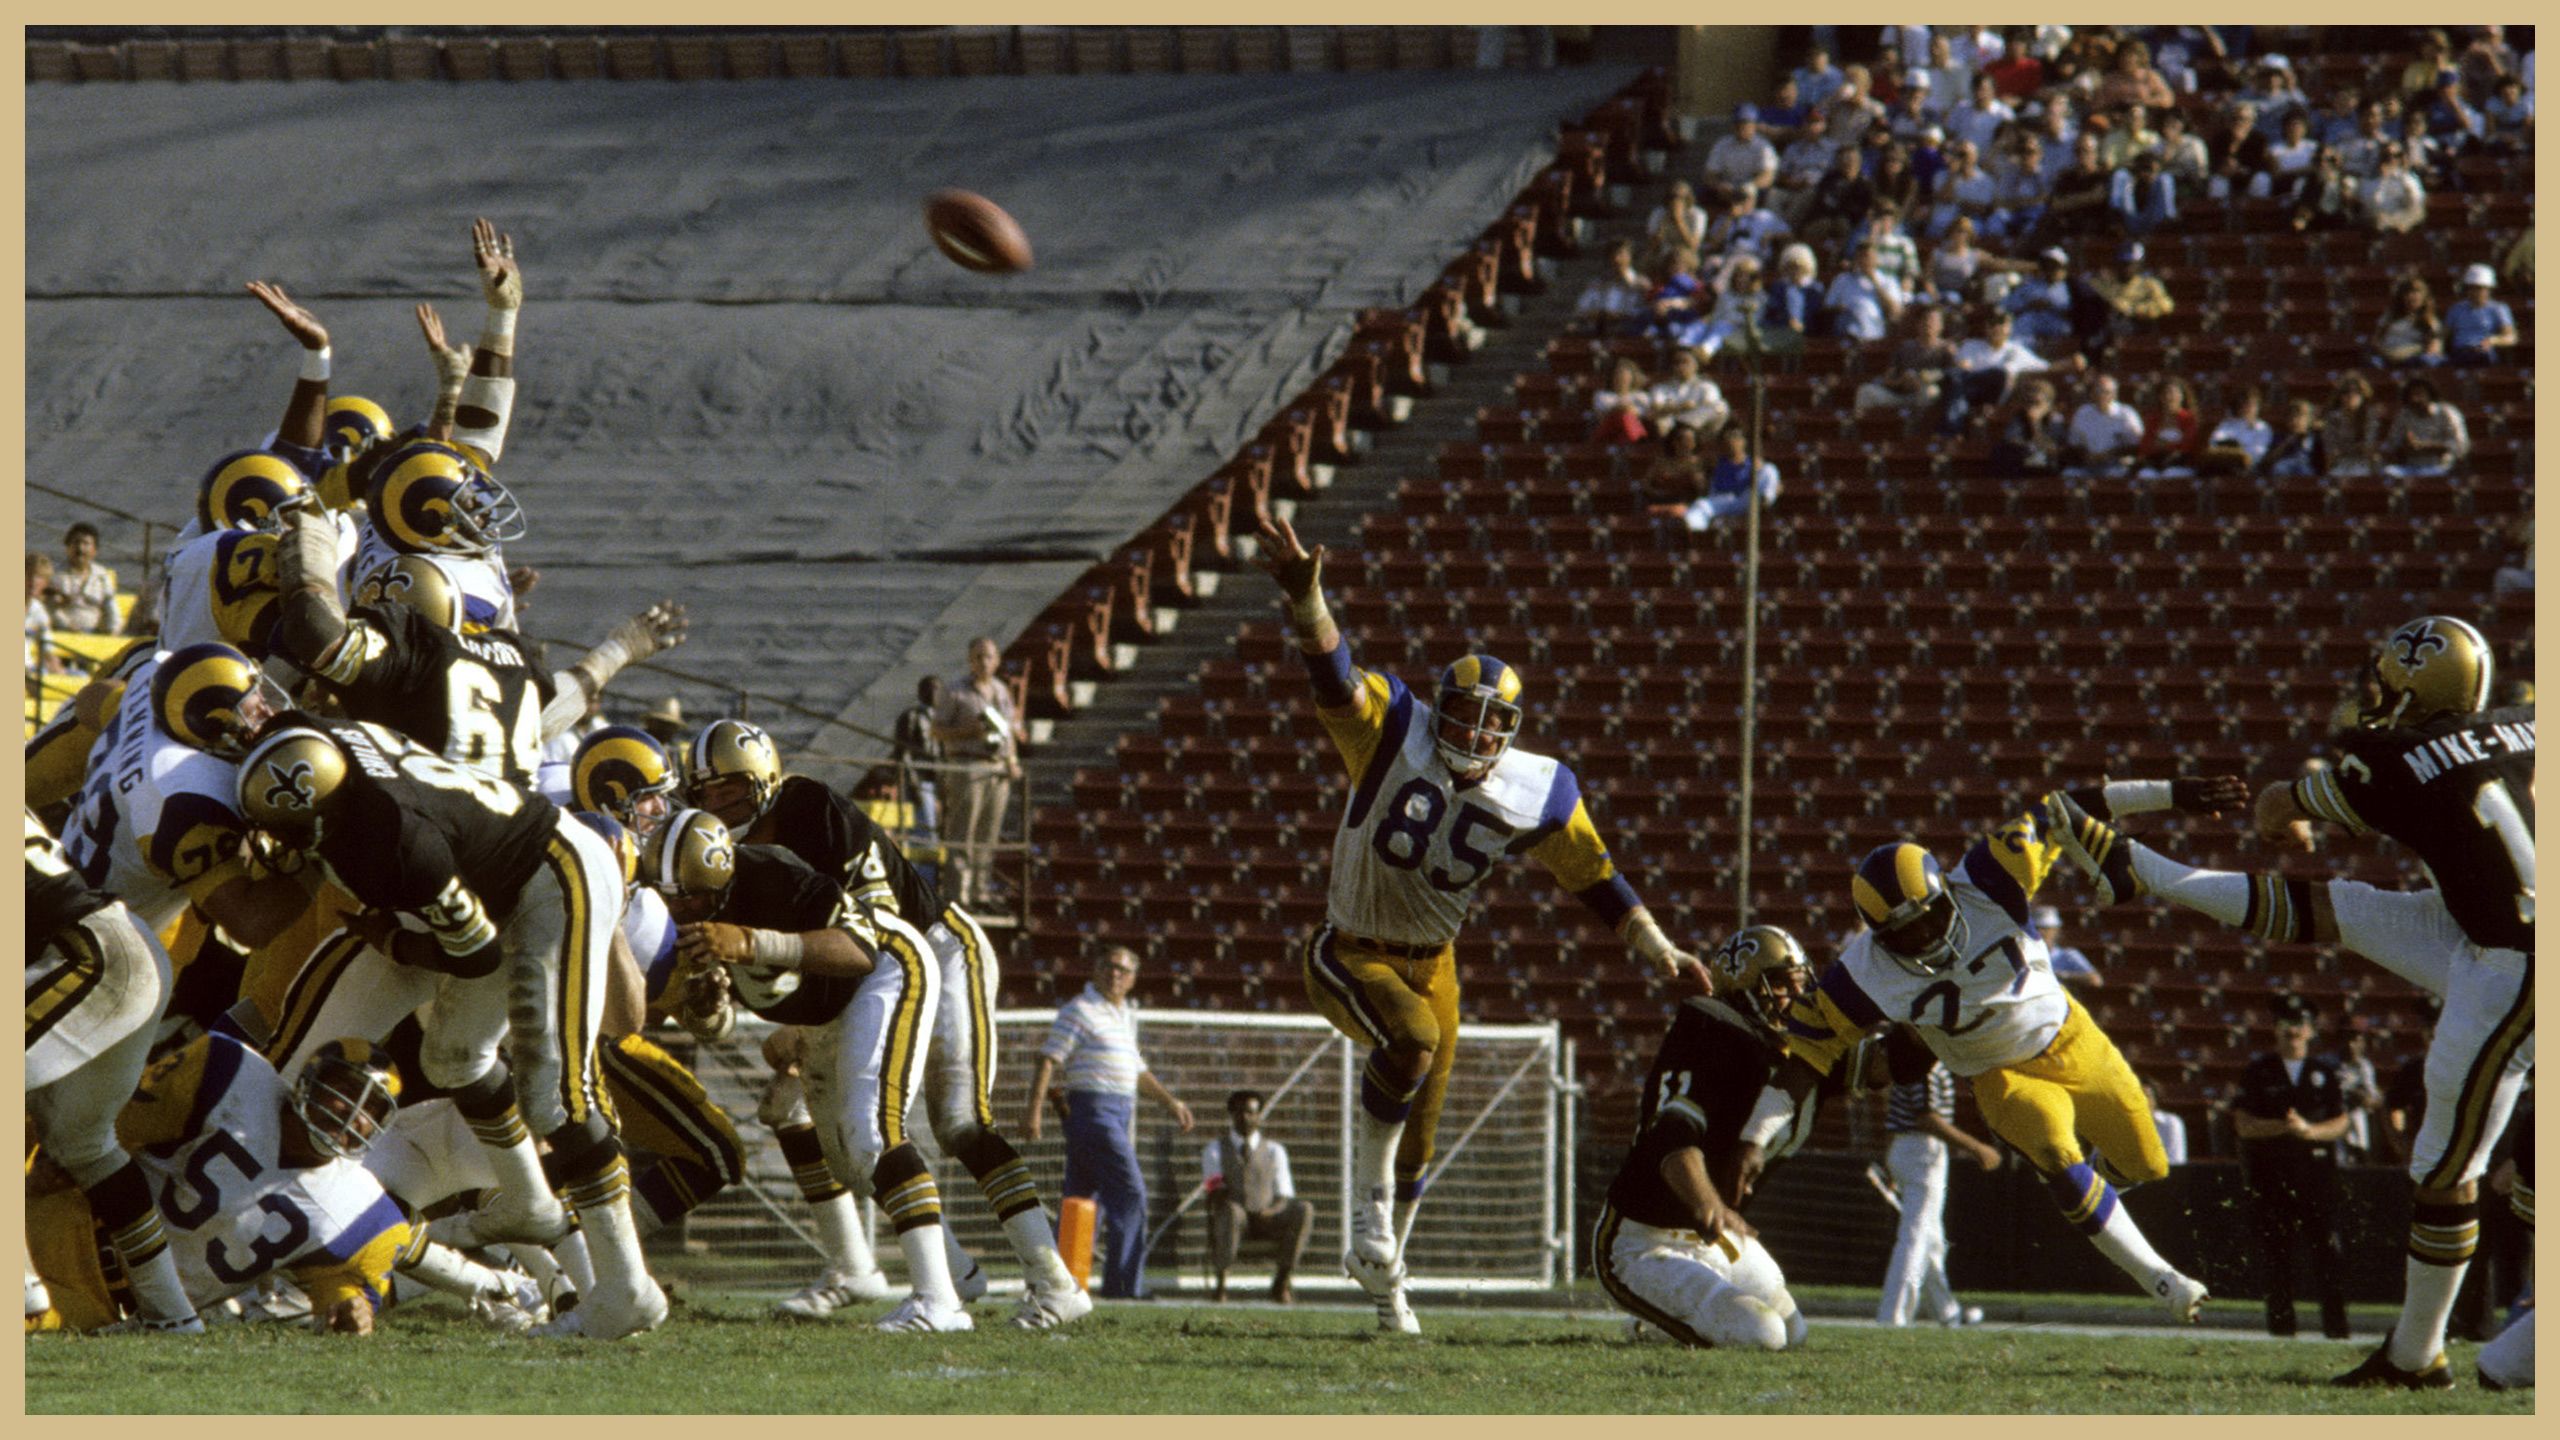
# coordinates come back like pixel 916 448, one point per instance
pixel 1075 1238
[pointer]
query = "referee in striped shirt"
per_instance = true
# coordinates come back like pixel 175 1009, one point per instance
pixel 1095 1042
pixel 1920 1115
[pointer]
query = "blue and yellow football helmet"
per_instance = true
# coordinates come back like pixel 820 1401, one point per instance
pixel 211 697
pixel 345 1094
pixel 1477 714
pixel 354 425
pixel 248 490
pixel 427 498
pixel 622 771
pixel 1902 894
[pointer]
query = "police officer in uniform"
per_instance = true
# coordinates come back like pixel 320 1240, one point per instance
pixel 2290 1112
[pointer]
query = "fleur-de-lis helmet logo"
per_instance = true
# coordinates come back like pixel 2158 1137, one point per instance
pixel 2413 646
pixel 289 787
pixel 1734 957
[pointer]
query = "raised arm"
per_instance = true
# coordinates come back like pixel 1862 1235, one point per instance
pixel 452 365
pixel 307 413
pixel 660 627
pixel 489 391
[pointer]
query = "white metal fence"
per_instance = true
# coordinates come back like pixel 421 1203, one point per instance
pixel 1498 1213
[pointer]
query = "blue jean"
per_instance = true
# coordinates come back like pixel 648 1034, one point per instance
pixel 1102 1164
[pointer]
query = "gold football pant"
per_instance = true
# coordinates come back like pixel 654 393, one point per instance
pixel 2079 1086
pixel 1383 999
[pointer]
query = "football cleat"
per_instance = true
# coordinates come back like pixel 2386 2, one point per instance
pixel 1762 971
pixel 915 1316
pixel 1045 1309
pixel 1372 1259
pixel 1395 1313
pixel 2184 1297
pixel 2377 1372
pixel 148 1325
pixel 604 1317
pixel 2102 854
pixel 1902 895
pixel 1961 1317
pixel 39 1299
pixel 2433 666
pixel 1476 716
pixel 830 1292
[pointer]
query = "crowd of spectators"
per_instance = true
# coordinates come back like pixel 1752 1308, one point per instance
pixel 1975 201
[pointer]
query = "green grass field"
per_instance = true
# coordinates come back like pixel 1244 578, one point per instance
pixel 718 1353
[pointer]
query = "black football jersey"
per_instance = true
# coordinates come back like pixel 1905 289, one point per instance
pixel 774 890
pixel 837 838
pixel 474 699
pixel 1705 1081
pixel 410 820
pixel 2459 792
pixel 57 898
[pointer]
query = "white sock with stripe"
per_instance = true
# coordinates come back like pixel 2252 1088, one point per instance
pixel 842 1235
pixel 2221 894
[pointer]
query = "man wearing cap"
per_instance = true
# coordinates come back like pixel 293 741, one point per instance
pixel 2290 1112
pixel 665 724
pixel 1743 157
pixel 2476 325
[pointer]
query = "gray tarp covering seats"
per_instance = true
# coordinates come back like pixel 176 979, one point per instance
pixel 747 378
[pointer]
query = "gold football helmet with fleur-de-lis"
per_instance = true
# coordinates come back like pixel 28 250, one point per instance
pixel 1761 971
pixel 691 855
pixel 2431 667
pixel 286 783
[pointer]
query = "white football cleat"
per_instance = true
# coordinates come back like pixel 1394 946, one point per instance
pixel 1395 1313
pixel 517 1311
pixel 1046 1309
pixel 39 1299
pixel 147 1325
pixel 1963 1316
pixel 832 1291
pixel 607 1317
pixel 1373 1239
pixel 915 1316
pixel 2184 1297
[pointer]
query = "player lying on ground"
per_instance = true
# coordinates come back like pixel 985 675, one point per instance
pixel 2428 763
pixel 1438 798
pixel 1671 1246
pixel 1955 956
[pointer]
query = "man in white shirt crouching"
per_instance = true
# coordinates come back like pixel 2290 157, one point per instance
pixel 1251 1196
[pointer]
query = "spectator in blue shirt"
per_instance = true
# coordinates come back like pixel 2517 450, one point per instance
pixel 1729 486
pixel 2070 966
pixel 2476 325
pixel 1863 301
pixel 2451 116
pixel 2510 116
pixel 1817 80
pixel 2043 305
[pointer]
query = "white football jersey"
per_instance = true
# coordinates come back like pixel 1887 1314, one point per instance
pixel 234 1210
pixel 1999 1005
pixel 488 600
pixel 1414 844
pixel 155 813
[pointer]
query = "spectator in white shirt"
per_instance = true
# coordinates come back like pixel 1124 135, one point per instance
pixel 1676 225
pixel 2396 200
pixel 1977 121
pixel 1253 1197
pixel 1992 362
pixel 1984 47
pixel 1616 302
pixel 2173 1130
pixel 1950 78
pixel 1688 398
pixel 1744 157
pixel 1863 302
pixel 2105 435
pixel 2236 444
pixel 1094 1042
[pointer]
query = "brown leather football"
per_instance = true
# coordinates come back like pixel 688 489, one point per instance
pixel 976 233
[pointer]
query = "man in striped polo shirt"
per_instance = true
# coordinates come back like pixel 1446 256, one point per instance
pixel 1095 1041
pixel 1920 1115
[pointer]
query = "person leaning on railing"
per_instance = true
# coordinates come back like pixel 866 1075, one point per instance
pixel 82 594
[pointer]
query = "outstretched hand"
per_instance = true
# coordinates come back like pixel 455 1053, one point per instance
pixel 452 362
pixel 1287 561
pixel 298 322
pixel 2211 797
pixel 494 254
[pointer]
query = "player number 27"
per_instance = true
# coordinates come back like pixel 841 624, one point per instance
pixel 2495 808
pixel 1403 835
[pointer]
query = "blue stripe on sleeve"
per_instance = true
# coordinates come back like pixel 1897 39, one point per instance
pixel 1989 878
pixel 1843 989
pixel 1391 735
pixel 381 1215
pixel 1330 674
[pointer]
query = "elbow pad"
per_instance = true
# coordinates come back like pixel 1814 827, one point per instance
pixel 481 421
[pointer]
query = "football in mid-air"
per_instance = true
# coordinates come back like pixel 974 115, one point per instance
pixel 976 233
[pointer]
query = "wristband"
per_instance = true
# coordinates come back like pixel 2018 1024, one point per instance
pixel 1308 614
pixel 499 328
pixel 780 949
pixel 2138 797
pixel 315 364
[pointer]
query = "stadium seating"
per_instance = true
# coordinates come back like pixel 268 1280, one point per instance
pixel 1934 643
